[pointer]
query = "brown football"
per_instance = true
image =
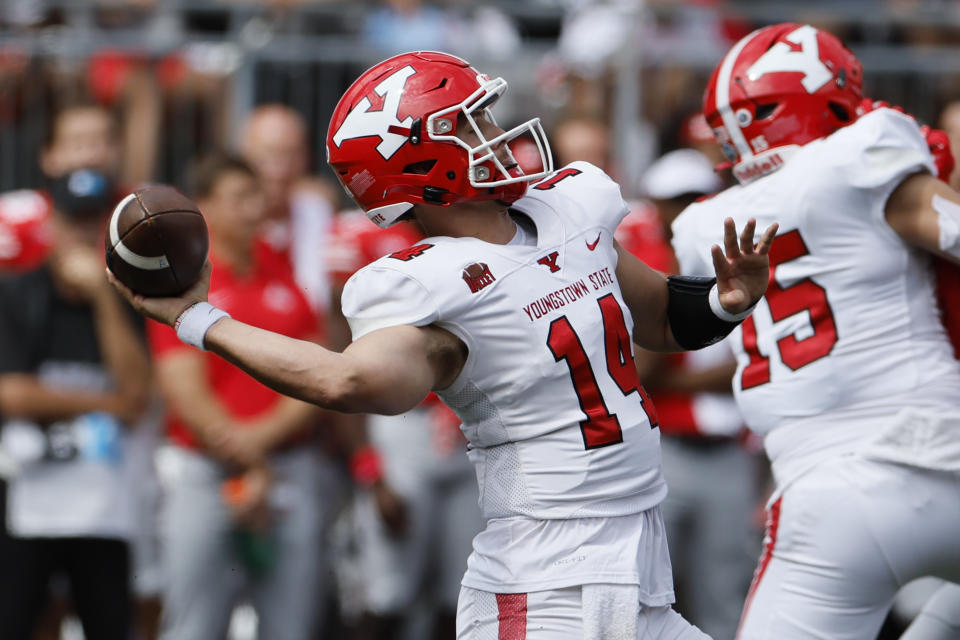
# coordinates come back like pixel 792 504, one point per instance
pixel 157 241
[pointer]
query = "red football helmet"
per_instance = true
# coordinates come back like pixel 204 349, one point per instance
pixel 778 88
pixel 25 233
pixel 393 138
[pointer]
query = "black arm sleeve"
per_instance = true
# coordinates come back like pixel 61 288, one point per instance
pixel 692 321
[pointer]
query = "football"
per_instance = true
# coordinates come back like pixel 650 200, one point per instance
pixel 156 242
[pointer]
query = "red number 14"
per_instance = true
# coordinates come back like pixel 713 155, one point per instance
pixel 601 428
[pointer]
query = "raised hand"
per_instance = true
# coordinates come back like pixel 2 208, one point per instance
pixel 742 268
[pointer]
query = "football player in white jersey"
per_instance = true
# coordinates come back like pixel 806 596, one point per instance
pixel 844 368
pixel 520 311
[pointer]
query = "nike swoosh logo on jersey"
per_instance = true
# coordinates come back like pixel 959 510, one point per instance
pixel 593 245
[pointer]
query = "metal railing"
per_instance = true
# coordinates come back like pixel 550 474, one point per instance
pixel 307 56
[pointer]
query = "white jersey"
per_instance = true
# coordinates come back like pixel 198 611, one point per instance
pixel 849 332
pixel 549 397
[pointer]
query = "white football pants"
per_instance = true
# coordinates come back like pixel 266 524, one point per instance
pixel 841 541
pixel 588 612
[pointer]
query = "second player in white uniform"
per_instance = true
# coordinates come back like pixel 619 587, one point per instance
pixel 845 367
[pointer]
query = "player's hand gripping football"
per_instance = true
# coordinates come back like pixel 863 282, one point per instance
pixel 166 310
pixel 742 267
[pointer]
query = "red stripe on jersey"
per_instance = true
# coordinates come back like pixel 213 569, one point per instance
pixel 773 523
pixel 948 294
pixel 512 616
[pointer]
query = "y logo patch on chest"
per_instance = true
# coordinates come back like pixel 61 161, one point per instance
pixel 593 245
pixel 550 261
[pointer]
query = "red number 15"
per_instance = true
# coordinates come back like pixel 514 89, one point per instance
pixel 803 296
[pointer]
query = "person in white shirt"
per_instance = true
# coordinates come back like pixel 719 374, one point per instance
pixel 845 368
pixel 520 311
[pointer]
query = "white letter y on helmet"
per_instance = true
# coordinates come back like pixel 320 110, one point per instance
pixel 361 122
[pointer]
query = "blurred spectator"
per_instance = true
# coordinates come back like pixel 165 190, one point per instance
pixel 587 137
pixel 22 13
pixel 415 511
pixel 711 476
pixel 81 136
pixel 695 133
pixel 299 207
pixel 299 219
pixel 73 377
pixel 240 475
pixel 583 138
pixel 396 26
pixel 85 135
pixel 487 32
pixel 593 34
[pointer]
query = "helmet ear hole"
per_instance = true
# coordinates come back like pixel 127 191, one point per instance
pixel 839 111
pixel 421 168
pixel 765 110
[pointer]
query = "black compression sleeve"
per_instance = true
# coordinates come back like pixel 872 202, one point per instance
pixel 692 321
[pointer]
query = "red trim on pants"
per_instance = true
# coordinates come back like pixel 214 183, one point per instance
pixel 512 616
pixel 773 523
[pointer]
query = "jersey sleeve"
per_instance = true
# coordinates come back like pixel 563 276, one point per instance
pixel 888 147
pixel 378 297
pixel 595 198
pixel 602 198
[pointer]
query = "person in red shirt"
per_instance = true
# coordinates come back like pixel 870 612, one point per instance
pixel 713 494
pixel 241 492
pixel 275 141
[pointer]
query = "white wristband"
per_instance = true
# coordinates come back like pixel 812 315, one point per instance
pixel 192 325
pixel 723 314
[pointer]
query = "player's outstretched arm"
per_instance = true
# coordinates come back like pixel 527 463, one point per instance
pixel 674 314
pixel 388 371
pixel 925 212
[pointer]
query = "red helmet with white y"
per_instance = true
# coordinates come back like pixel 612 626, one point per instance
pixel 779 88
pixel 25 233
pixel 393 139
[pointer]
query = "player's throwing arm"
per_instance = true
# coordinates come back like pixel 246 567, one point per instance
pixel 391 370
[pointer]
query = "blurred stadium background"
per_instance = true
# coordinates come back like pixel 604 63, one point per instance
pixel 183 75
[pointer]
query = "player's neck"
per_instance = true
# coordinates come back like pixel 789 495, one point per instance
pixel 487 221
